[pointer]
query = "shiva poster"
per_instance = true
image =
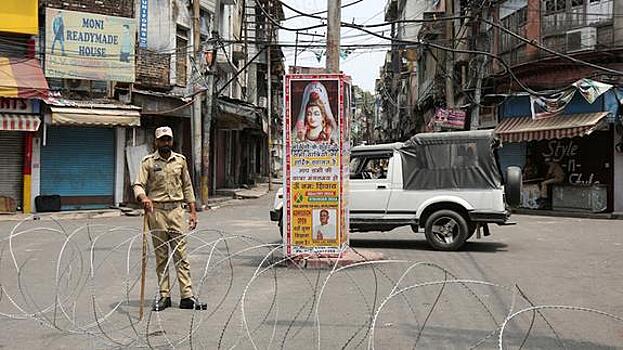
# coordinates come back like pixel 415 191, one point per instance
pixel 317 139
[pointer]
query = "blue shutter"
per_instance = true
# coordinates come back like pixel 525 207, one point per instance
pixel 79 162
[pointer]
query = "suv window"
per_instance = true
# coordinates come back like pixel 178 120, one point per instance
pixel 449 156
pixel 369 167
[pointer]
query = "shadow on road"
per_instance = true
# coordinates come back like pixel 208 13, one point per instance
pixel 418 244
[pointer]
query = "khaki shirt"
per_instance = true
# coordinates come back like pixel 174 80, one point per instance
pixel 164 180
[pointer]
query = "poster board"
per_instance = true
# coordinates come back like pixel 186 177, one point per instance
pixel 317 156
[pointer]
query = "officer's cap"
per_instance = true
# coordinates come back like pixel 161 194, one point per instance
pixel 164 131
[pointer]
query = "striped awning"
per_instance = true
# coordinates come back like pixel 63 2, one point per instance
pixel 95 117
pixel 22 77
pixel 18 122
pixel 524 129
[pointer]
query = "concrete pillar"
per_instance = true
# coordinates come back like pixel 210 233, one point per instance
pixel 618 23
pixel 495 46
pixel 533 29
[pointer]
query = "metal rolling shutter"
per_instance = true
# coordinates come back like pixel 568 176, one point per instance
pixel 12 160
pixel 79 165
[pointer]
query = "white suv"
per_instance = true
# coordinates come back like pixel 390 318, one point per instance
pixel 449 184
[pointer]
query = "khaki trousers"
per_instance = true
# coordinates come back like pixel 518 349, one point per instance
pixel 167 230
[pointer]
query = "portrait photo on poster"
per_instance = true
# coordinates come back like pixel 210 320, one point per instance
pixel 314 111
pixel 324 227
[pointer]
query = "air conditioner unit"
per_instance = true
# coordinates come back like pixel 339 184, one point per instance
pixel 77 84
pixel 581 39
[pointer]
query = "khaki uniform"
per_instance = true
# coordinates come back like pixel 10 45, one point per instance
pixel 167 183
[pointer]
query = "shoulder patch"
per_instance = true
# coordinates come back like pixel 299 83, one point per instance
pixel 180 155
pixel 147 157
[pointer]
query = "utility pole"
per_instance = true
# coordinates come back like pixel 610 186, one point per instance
pixel 269 103
pixel 334 23
pixel 210 111
pixel 475 113
pixel 449 59
pixel 196 121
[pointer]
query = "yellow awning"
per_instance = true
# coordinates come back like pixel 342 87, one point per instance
pixel 68 116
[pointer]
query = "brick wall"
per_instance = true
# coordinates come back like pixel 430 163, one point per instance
pixel 122 8
pixel 152 69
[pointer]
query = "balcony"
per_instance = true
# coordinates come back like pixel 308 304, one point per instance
pixel 555 21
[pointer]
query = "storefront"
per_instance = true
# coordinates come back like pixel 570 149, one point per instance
pixel 239 144
pixel 22 85
pixel 82 156
pixel 566 160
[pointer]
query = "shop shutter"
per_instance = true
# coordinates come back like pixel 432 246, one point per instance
pixel 512 154
pixel 79 165
pixel 12 160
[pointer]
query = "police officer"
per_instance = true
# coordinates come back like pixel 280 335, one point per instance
pixel 162 184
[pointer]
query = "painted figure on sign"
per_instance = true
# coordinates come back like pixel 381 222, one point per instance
pixel 58 28
pixel 315 122
pixel 126 44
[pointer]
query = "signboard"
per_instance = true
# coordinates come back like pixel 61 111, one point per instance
pixel 83 45
pixel 142 26
pixel 19 105
pixel 449 118
pixel 317 138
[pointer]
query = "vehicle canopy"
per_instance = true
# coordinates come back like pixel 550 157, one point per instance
pixel 451 160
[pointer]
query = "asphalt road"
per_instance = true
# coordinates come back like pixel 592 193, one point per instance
pixel 74 285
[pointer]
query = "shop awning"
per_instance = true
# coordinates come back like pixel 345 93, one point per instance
pixel 23 78
pixel 18 122
pixel 95 117
pixel 524 129
pixel 236 114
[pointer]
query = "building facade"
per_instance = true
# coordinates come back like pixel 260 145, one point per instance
pixel 89 81
pixel 575 123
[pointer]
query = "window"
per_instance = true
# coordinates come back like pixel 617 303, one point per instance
pixel 550 6
pixel 181 55
pixel 449 156
pixel 369 168
pixel 205 22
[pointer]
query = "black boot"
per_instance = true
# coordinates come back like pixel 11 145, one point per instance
pixel 192 303
pixel 161 304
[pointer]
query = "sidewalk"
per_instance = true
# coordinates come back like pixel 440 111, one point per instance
pixel 63 215
pixel 568 214
pixel 224 198
pixel 228 196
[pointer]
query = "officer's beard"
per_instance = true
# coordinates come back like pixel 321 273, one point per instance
pixel 164 149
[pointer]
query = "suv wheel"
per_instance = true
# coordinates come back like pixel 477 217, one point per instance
pixel 446 230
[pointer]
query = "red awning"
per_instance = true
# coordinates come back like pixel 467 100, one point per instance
pixel 524 129
pixel 19 122
pixel 22 77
